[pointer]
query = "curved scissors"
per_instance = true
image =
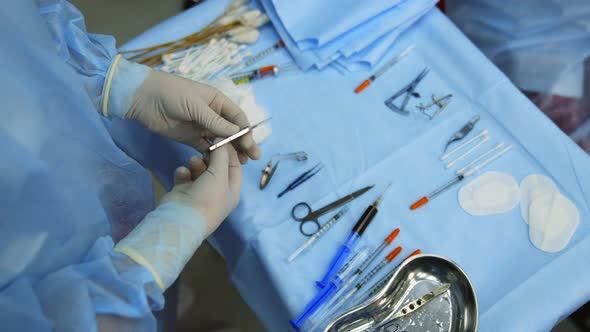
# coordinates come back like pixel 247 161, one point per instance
pixel 303 212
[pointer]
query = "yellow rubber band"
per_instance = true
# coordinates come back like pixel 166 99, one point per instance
pixel 139 259
pixel 107 85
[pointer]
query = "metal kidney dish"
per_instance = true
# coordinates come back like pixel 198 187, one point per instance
pixel 455 310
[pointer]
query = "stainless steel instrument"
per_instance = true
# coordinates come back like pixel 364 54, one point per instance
pixel 457 309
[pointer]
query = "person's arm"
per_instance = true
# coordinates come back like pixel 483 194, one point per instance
pixel 117 289
pixel 202 197
pixel 90 55
pixel 186 111
pixel 108 288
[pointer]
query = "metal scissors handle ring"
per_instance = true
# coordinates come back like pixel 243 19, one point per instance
pixel 304 216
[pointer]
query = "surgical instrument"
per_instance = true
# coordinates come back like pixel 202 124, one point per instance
pixel 485 154
pixel 456 310
pixel 356 232
pixel 245 77
pixel 409 91
pixel 340 299
pixel 458 178
pixel 466 143
pixel 464 131
pixel 377 251
pixel 270 170
pixel 413 306
pixel 256 74
pixel 236 135
pixel 383 69
pixel 301 179
pixel 441 102
pixel 333 285
pixel 257 57
pixel 364 265
pixel 383 281
pixel 318 234
pixel 468 152
pixel 303 213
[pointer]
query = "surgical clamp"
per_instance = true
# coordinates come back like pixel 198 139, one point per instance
pixel 409 91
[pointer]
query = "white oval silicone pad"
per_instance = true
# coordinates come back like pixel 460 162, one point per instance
pixel 531 187
pixel 490 193
pixel 553 219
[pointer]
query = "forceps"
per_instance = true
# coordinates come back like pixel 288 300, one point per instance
pixel 303 213
pixel 236 135
pixel 409 91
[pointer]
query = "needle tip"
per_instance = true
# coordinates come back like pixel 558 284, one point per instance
pixel 380 198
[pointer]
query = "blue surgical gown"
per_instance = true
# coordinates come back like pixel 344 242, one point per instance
pixel 68 193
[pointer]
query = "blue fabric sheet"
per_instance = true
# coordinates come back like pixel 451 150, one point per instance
pixel 374 53
pixel 313 23
pixel 376 33
pixel 360 142
pixel 67 190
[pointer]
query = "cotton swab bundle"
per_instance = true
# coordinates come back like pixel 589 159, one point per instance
pixel 204 62
pixel 237 23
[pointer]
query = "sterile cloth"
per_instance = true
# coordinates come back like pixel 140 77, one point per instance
pixel 354 27
pixel 316 22
pixel 360 142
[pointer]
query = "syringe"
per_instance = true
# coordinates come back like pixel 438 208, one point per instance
pixel 319 233
pixel 359 271
pixel 245 77
pixel 340 300
pixel 332 287
pixel 357 231
pixel 383 281
pixel 383 69
pixel 458 178
pixel 257 57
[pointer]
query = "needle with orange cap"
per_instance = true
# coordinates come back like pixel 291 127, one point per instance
pixel 371 258
pixel 378 251
pixel 461 175
pixel 388 276
pixel 383 69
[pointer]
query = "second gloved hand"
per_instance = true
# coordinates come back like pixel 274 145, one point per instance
pixel 216 192
pixel 202 197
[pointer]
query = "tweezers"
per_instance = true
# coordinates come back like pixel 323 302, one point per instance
pixel 301 179
pixel 461 133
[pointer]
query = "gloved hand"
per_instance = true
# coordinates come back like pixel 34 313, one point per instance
pixel 202 197
pixel 174 107
pixel 215 192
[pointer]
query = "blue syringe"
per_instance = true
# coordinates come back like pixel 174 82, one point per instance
pixel 345 249
pixel 331 287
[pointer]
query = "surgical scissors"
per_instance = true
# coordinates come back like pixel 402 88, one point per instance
pixel 303 212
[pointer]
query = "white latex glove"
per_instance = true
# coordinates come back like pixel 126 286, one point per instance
pixel 202 197
pixel 216 192
pixel 187 111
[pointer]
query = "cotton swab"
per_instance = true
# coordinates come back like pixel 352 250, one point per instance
pixel 468 152
pixel 484 163
pixel 485 154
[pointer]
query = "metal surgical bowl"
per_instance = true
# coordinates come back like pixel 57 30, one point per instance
pixel 463 312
